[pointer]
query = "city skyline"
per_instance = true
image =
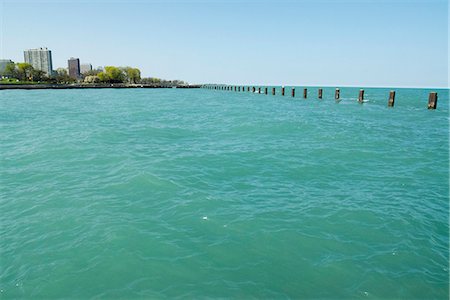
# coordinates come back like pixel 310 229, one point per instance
pixel 328 43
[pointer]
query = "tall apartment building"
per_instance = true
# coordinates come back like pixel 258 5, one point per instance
pixel 74 67
pixel 84 68
pixel 40 59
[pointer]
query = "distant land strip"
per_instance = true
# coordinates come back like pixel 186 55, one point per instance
pixel 90 86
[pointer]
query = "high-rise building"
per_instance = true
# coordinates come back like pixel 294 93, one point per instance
pixel 40 59
pixel 74 67
pixel 84 68
pixel 3 63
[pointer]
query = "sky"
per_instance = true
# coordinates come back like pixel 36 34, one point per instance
pixel 398 43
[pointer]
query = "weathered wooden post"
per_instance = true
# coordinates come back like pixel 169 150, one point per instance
pixel 248 89
pixel 337 94
pixel 253 89
pixel 259 90
pixel 273 91
pixel 432 100
pixel 305 93
pixel 320 93
pixel 282 91
pixel 361 96
pixel 265 90
pixel 293 92
pixel 391 100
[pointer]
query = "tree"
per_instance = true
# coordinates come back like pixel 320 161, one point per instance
pixel 103 77
pixel 10 70
pixel 114 74
pixel 24 71
pixel 91 79
pixel 61 71
pixel 38 75
pixel 62 76
pixel 91 72
pixel 151 80
pixel 133 74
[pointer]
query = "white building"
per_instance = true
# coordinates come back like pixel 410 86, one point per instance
pixel 40 59
pixel 84 68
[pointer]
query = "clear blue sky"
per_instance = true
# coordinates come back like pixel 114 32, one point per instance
pixel 336 43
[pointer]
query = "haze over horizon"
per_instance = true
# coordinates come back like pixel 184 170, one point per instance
pixel 327 43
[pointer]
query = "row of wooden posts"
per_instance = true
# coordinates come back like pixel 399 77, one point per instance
pixel 432 98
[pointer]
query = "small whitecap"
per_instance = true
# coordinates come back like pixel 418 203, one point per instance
pixel 225 225
pixel 366 293
pixel 394 253
pixel 205 218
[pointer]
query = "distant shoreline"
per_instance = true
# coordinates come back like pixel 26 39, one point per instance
pixel 89 86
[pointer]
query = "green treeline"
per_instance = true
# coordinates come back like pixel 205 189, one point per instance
pixel 25 73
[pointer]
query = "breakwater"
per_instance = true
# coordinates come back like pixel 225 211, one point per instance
pixel 89 86
pixel 432 97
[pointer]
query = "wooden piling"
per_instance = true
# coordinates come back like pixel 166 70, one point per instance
pixel 253 89
pixel 305 93
pixel 432 100
pixel 391 100
pixel 320 93
pixel 293 92
pixel 265 90
pixel 248 89
pixel 259 90
pixel 282 91
pixel 361 96
pixel 337 94
pixel 273 91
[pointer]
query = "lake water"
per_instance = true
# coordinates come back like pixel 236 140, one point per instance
pixel 154 193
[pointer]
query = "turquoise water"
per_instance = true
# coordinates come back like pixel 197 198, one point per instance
pixel 145 193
